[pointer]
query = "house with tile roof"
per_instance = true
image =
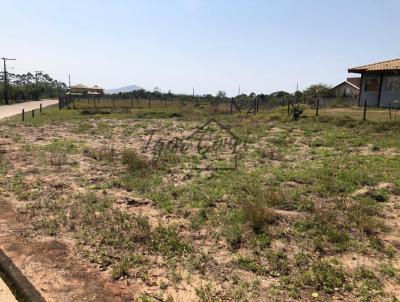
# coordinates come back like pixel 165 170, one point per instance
pixel 81 89
pixel 380 83
pixel 350 87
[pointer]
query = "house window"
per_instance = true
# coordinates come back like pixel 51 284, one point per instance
pixel 372 84
pixel 392 84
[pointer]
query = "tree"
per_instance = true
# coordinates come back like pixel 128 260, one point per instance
pixel 318 90
pixel 221 94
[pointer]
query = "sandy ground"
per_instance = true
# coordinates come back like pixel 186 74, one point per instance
pixel 5 293
pixel 11 110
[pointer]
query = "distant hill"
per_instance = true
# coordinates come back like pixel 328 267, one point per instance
pixel 123 89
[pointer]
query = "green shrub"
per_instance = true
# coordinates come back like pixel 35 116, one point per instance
pixel 297 111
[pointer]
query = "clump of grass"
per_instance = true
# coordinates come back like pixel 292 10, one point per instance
pixel 102 154
pixel 234 235
pixel 58 159
pixel 122 269
pixel 252 265
pixel 257 215
pixel 135 163
pixel 4 164
pixel 379 195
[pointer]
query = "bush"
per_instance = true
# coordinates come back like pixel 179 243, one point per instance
pixel 297 111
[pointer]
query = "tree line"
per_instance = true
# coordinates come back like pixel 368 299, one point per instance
pixel 311 92
pixel 27 87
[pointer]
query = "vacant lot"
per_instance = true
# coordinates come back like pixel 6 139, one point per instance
pixel 92 208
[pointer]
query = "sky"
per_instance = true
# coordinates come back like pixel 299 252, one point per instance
pixel 211 45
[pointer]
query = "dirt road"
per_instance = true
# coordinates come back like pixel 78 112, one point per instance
pixel 11 110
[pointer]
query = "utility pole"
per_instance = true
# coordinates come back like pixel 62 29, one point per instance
pixel 5 79
pixel 69 81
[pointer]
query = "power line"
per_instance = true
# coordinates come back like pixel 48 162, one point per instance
pixel 5 78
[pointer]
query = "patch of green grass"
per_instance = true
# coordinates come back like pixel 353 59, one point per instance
pixel 368 284
pixel 122 269
pixel 389 270
pixel 66 146
pixel 168 242
pixel 252 265
pixel 325 276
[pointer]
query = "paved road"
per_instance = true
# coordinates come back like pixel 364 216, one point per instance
pixel 5 293
pixel 11 110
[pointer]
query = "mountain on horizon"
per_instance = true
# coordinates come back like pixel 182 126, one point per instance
pixel 123 89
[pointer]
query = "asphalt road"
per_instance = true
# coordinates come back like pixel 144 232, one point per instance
pixel 11 110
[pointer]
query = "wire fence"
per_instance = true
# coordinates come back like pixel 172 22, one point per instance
pixel 347 107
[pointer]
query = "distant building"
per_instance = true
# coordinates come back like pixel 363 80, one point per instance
pixel 380 83
pixel 350 87
pixel 81 89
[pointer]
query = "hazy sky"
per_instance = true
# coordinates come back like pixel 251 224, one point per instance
pixel 212 45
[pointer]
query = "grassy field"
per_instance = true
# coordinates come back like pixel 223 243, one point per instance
pixel 311 213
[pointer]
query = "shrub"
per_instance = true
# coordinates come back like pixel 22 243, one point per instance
pixel 257 214
pixel 297 111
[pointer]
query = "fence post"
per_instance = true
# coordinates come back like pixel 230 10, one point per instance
pixel 390 112
pixel 23 115
pixel 288 108
pixel 149 103
pixel 33 113
pixel 317 109
pixel 41 109
pixel 365 110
